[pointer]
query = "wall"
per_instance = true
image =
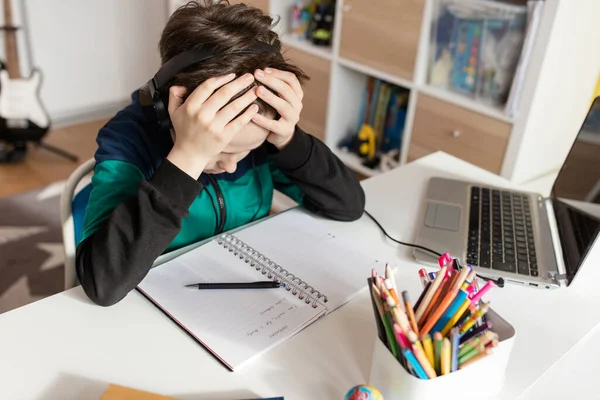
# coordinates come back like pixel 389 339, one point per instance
pixel 560 90
pixel 93 53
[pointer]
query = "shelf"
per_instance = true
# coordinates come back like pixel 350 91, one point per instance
pixel 376 73
pixel 496 112
pixel 304 45
pixel 354 162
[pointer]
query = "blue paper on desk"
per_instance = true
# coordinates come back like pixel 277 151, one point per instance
pixel 271 398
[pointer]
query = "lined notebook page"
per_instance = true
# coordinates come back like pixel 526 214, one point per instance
pixel 306 247
pixel 235 325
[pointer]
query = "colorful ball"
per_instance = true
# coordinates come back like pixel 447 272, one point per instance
pixel 363 392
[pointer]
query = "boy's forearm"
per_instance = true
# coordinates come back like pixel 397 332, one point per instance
pixel 330 188
pixel 115 259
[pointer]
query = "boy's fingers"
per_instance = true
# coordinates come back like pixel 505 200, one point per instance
pixel 222 96
pixel 234 126
pixel 232 109
pixel 289 78
pixel 269 124
pixel 284 108
pixel 176 94
pixel 206 89
pixel 284 90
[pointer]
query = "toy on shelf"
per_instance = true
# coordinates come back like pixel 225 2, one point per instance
pixel 378 136
pixel 313 22
pixel 476 46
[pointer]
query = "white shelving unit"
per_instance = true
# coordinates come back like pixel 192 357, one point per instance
pixel 559 81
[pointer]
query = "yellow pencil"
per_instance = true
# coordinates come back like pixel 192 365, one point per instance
pixel 446 348
pixel 456 316
pixel 419 353
pixel 428 346
pixel 464 328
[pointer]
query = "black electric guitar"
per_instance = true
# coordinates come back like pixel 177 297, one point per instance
pixel 22 116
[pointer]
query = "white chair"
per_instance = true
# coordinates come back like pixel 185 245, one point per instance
pixel 66 218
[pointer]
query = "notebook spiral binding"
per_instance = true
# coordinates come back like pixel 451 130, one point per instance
pixel 272 270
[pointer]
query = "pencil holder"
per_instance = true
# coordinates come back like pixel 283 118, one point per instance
pixel 484 377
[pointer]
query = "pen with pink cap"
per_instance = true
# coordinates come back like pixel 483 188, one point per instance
pixel 486 288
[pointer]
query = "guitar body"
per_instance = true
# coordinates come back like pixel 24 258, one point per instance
pixel 22 115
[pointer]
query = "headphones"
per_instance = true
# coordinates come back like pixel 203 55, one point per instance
pixel 151 93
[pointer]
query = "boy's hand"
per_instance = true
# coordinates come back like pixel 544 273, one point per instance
pixel 203 126
pixel 287 102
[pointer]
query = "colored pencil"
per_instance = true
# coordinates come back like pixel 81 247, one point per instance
pixel 428 347
pixel 398 315
pixel 412 361
pixel 475 359
pixel 378 301
pixel 480 340
pixel 409 312
pixel 476 332
pixel 437 348
pixel 454 338
pixel 422 358
pixel 469 355
pixel 390 287
pixel 450 312
pixel 389 331
pixel 430 293
pixel 420 299
pixel 434 299
pixel 464 328
pixel 445 359
pixel 435 316
pixel 454 319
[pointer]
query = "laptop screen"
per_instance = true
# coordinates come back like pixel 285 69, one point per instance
pixel 576 193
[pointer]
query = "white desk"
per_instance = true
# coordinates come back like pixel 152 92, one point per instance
pixel 64 347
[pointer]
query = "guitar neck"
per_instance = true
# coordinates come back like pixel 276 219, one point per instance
pixel 10 42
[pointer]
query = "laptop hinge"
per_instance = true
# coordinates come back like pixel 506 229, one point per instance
pixel 561 274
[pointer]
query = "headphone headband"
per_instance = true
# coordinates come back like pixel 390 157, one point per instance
pixel 150 92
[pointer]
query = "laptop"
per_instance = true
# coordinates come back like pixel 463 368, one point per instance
pixel 522 237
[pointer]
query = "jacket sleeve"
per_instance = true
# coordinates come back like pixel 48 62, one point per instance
pixel 114 259
pixel 328 187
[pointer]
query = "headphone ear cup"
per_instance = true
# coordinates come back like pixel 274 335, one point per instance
pixel 162 113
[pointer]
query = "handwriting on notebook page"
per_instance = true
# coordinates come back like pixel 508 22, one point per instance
pixel 271 318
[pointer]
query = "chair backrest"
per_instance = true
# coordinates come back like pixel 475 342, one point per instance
pixel 67 220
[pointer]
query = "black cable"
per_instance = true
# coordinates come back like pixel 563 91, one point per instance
pixel 499 282
pixel 416 246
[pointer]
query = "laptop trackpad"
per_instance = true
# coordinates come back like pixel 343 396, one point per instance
pixel 443 216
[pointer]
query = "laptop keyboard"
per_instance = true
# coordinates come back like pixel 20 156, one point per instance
pixel 500 232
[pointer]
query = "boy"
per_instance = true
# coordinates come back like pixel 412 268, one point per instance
pixel 232 143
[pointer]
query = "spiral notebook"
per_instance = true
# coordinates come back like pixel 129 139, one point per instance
pixel 321 271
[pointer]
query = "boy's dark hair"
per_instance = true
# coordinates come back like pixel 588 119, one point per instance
pixel 225 28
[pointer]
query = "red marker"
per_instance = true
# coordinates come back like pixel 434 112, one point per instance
pixel 423 277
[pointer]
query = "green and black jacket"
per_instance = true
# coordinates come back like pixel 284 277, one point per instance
pixel 141 205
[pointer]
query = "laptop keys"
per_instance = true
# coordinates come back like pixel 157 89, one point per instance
pixel 523 267
pixel 501 231
pixel 504 266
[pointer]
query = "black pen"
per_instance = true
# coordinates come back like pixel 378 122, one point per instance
pixel 237 285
